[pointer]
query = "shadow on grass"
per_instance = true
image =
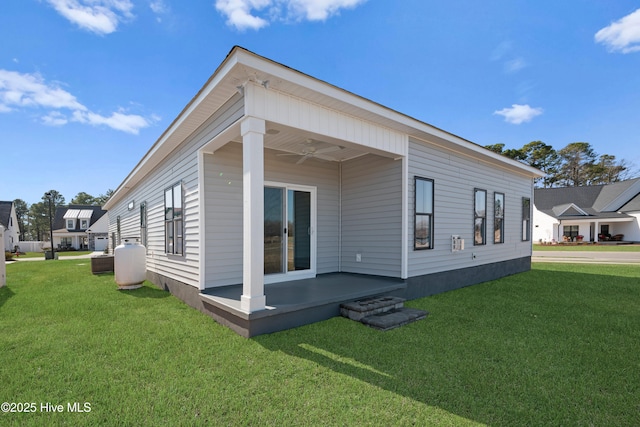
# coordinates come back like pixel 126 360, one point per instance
pixel 544 347
pixel 5 294
pixel 146 291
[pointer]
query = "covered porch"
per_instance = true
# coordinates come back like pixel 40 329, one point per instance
pixel 295 303
pixel 596 230
pixel 284 199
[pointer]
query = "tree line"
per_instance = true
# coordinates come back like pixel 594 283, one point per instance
pixel 575 165
pixel 34 219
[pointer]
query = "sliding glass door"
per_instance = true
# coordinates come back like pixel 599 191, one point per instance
pixel 289 231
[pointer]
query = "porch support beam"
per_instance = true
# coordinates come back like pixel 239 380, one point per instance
pixel 253 297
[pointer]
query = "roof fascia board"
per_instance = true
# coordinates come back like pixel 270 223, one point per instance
pixel 277 70
pixel 156 149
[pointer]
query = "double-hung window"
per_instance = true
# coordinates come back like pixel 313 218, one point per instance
pixel 423 224
pixel 480 217
pixel 526 219
pixel 173 224
pixel 498 218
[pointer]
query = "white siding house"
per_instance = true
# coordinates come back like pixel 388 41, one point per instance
pixel 9 222
pixel 596 213
pixel 270 176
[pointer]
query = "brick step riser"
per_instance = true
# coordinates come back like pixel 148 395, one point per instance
pixel 358 310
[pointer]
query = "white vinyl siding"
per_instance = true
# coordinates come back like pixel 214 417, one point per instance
pixel 457 176
pixel 223 183
pixel 372 216
pixel 180 165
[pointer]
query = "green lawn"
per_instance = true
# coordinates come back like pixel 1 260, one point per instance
pixel 555 346
pixel 592 248
pixel 60 253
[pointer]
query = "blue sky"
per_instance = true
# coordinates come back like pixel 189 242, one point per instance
pixel 87 86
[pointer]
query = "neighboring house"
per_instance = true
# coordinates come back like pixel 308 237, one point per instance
pixel 98 234
pixel 270 175
pixel 9 220
pixel 79 226
pixel 597 213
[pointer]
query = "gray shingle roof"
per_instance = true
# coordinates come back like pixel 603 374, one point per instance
pixel 5 213
pixel 593 200
pixel 60 223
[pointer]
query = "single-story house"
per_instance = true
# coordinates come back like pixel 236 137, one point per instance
pixel 9 220
pixel 273 195
pixel 591 214
pixel 81 227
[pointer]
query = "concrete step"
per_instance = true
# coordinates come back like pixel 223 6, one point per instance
pixel 394 318
pixel 357 310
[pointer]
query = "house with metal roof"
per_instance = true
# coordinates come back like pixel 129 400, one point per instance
pixel 80 227
pixel 594 213
pixel 9 220
pixel 274 197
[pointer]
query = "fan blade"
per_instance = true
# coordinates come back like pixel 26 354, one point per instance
pixel 288 154
pixel 303 158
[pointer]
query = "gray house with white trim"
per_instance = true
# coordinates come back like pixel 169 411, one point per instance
pixel 270 180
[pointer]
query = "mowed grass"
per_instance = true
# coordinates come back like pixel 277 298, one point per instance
pixel 559 345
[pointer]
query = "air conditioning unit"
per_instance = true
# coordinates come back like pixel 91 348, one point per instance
pixel 457 244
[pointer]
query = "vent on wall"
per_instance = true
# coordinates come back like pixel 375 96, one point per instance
pixel 457 244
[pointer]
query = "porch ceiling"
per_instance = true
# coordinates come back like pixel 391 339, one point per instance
pixel 298 142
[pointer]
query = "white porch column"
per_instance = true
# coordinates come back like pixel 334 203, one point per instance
pixel 252 131
pixel 596 231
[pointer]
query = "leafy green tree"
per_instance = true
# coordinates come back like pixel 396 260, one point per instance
pixel 22 212
pixel 544 157
pixel 577 161
pixel 606 170
pixel 512 153
pixel 102 199
pixel 83 198
pixel 38 220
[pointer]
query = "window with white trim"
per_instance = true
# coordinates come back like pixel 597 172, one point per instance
pixel 71 224
pixel 84 224
pixel 173 223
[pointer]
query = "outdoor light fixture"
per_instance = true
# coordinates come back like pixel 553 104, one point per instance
pixel 49 196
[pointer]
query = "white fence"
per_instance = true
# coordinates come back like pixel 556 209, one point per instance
pixel 33 246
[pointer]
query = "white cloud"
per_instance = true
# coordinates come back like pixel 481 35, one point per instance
pixel 98 16
pixel 320 10
pixel 518 114
pixel 30 90
pixel 158 6
pixel 130 123
pixel 19 91
pixel 623 35
pixel 241 14
pixel 238 13
pixel 55 118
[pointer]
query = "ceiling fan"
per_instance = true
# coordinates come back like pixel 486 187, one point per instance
pixel 309 151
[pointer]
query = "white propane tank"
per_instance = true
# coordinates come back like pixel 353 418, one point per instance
pixel 130 264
